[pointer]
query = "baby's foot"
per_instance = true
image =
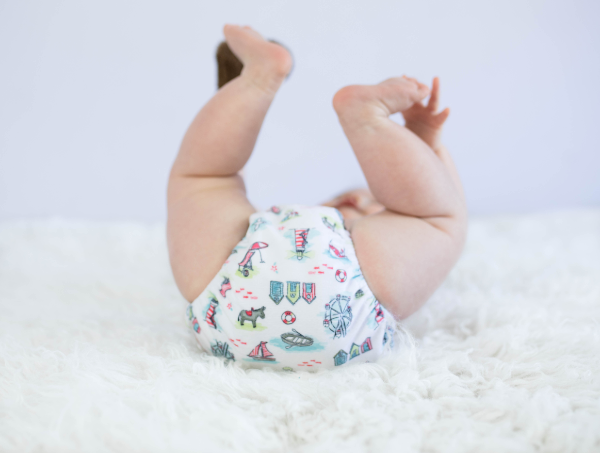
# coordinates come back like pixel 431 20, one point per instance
pixel 265 63
pixel 424 121
pixel 390 96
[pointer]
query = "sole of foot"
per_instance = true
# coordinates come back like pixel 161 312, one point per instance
pixel 388 97
pixel 263 60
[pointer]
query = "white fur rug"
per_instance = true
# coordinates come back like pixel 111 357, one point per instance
pixel 95 355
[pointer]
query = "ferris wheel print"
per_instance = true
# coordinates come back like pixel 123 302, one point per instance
pixel 338 315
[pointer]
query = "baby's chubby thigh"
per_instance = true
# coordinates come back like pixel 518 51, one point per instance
pixel 404 259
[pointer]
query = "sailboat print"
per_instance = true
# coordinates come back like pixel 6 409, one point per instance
pixel 260 352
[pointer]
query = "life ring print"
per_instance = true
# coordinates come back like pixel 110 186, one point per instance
pixel 288 317
pixel 340 275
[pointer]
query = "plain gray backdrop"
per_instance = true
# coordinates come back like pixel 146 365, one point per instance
pixel 96 96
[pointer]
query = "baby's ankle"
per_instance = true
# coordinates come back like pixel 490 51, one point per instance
pixel 265 77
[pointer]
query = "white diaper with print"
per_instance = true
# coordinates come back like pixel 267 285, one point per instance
pixel 292 296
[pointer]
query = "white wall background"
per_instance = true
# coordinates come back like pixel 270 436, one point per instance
pixel 95 97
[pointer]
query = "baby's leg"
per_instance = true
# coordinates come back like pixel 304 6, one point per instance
pixel 407 250
pixel 207 205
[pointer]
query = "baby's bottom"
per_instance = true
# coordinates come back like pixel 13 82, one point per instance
pixel 405 251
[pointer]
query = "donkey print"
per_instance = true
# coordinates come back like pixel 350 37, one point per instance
pixel 251 315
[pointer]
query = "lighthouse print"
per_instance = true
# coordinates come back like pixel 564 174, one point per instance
pixel 210 314
pixel 301 239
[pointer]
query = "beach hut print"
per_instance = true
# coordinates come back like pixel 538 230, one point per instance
pixel 309 292
pixel 276 291
pixel 366 346
pixel 354 351
pixel 293 292
pixel 340 358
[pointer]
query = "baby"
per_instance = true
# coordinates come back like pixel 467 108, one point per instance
pixel 299 287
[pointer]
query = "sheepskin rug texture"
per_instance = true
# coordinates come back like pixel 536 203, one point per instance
pixel 95 354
